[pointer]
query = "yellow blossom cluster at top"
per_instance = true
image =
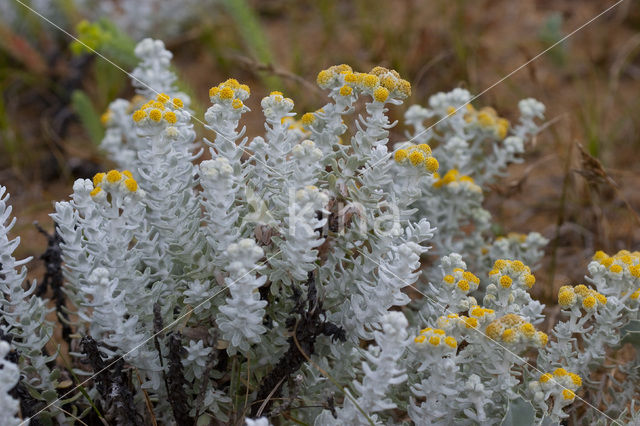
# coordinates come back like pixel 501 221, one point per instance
pixel 486 118
pixel 624 264
pixel 230 92
pixel 462 280
pixel 580 295
pixel 159 110
pixel 380 83
pixel 453 178
pixel 418 156
pixel 512 328
pixel 506 273
pixel 568 381
pixel 113 179
pixel 435 337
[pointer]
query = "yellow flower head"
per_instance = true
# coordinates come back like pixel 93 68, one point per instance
pixel 431 164
pixel 131 185
pixel 434 340
pixel 589 302
pixel 380 94
pixel 370 81
pixel 568 394
pixel 237 104
pixel 95 191
pixel 323 78
pixel 420 339
pixel 545 378
pixel 97 178
pixel 139 115
pixel 213 91
pixel 226 93
pixel 162 97
pixel 529 280
pixel 401 155
pixel 114 176
pixel 451 342
pixel 177 103
pixel 308 119
pixel 416 157
pixel 463 285
pixel 170 117
pixel 506 281
pixel 346 90
pixel 155 114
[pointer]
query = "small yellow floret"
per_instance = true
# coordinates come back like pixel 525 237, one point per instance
pixel 449 279
pixel 438 331
pixel 350 78
pixel 485 119
pixel 470 277
pixel 568 394
pixel 451 110
pixel 575 379
pixel 177 103
pixel 434 340
pixel 245 88
pixel 158 105
pixel 323 77
pixel 424 148
pixel 477 312
pixel 470 322
pixel 529 280
pixel 401 155
pixel 213 91
pixel 97 178
pixel 346 91
pixel 139 115
pixel 226 93
pixel 232 83
pixel 370 81
pixel 114 176
pixel 500 264
pixel 566 298
pixel 509 335
pixel 420 339
pixel 131 185
pixel 276 93
pixel 404 87
pixel 416 158
pixel 635 271
pixel 451 342
pixel 528 329
pixel 170 117
pixel 463 285
pixel 616 269
pixel 545 378
pixel 164 98
pixel 506 281
pixel 635 295
pixel 543 338
pixel 431 164
pixel 600 255
pixel 560 372
pixel 602 299
pixel 380 94
pixel 95 191
pixel 127 173
pixel 589 302
pixel 308 119
pixel 237 104
pixel 493 330
pixel 155 114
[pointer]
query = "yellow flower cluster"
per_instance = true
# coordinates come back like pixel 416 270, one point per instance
pixel 230 92
pixel 570 382
pixel 452 177
pixel 486 118
pixel 381 83
pixel 111 179
pixel 158 110
pixel 418 156
pixel 477 316
pixel 507 272
pixel 462 280
pixel 435 337
pixel 580 295
pixel 512 328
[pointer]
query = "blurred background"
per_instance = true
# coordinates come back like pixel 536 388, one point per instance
pixel 54 92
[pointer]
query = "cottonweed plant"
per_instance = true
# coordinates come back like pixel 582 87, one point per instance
pixel 284 280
